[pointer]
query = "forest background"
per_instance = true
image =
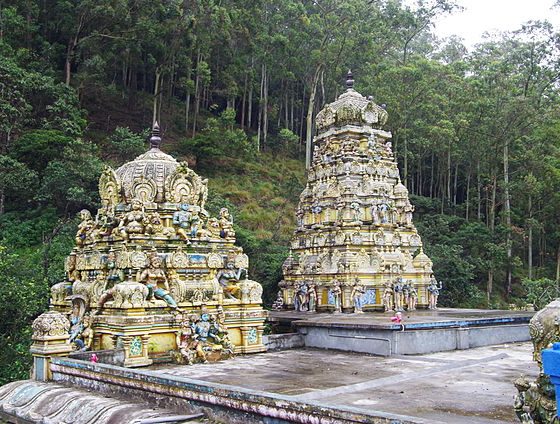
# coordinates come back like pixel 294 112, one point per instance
pixel 235 85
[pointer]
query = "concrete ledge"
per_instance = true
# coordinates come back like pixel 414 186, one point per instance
pixel 238 404
pixel 411 341
pixel 283 341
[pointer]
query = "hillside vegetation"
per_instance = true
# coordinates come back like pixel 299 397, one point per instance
pixel 235 85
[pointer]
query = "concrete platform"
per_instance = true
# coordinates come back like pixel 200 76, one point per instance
pixel 472 386
pixel 421 332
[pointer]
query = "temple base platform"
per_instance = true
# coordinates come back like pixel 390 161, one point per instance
pixel 423 331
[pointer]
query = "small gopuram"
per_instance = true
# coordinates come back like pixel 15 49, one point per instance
pixel 355 246
pixel 152 265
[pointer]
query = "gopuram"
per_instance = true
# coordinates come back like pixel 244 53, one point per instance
pixel 152 273
pixel 355 247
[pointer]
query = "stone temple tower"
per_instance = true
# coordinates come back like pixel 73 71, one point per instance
pixel 153 257
pixel 354 219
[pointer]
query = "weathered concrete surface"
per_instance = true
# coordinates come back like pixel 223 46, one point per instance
pixel 226 403
pixel 468 386
pixel 283 341
pixel 421 332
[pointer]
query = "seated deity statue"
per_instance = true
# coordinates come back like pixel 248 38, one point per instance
pixel 229 279
pixel 279 302
pixel 154 276
pixel 85 228
pixel 133 222
pixel 182 221
pixel 226 224
pixel 156 227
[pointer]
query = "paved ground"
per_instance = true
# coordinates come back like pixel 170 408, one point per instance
pixel 470 386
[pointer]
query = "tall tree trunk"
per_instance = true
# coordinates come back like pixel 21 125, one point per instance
pixel 250 100
pixel 265 108
pixel 244 98
pixel 491 217
pixel 530 238
pixel 468 198
pixel 196 94
pixel 432 177
pixel 155 108
pixel 309 120
pixel 507 211
pixel 455 184
pixel 259 121
pixel 478 191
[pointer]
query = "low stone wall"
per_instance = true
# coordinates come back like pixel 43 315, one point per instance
pixel 283 341
pixel 411 341
pixel 109 356
pixel 219 402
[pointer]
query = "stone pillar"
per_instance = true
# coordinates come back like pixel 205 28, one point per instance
pixel 50 339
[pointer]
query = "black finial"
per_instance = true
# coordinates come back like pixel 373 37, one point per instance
pixel 155 139
pixel 349 80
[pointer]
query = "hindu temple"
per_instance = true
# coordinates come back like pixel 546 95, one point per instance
pixel 355 247
pixel 152 268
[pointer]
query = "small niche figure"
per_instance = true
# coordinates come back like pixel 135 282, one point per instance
pixel 312 298
pixel 336 293
pixel 301 303
pixel 357 296
pixel 412 296
pixel 398 288
pixel 279 302
pixel 433 292
pixel 387 297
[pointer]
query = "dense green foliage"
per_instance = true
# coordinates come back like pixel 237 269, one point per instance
pixel 235 84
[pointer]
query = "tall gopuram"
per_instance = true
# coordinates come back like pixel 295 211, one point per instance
pixel 355 239
pixel 152 263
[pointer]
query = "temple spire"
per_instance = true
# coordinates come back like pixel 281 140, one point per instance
pixel 349 80
pixel 155 139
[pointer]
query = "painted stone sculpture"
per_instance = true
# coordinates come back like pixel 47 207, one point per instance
pixel 354 218
pixel 153 255
pixel 535 401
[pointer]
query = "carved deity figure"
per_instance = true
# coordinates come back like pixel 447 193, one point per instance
pixel 185 342
pixel 387 297
pixel 398 289
pixel 154 277
pixel 357 296
pixel 80 333
pixel 229 279
pixel 301 299
pixel 226 224
pixel 312 298
pixel 375 214
pixel 133 222
pixel 85 227
pixel 433 292
pixel 408 209
pixel 336 293
pixel 357 211
pixel 383 209
pixel 181 221
pixel 278 304
pixel 411 296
